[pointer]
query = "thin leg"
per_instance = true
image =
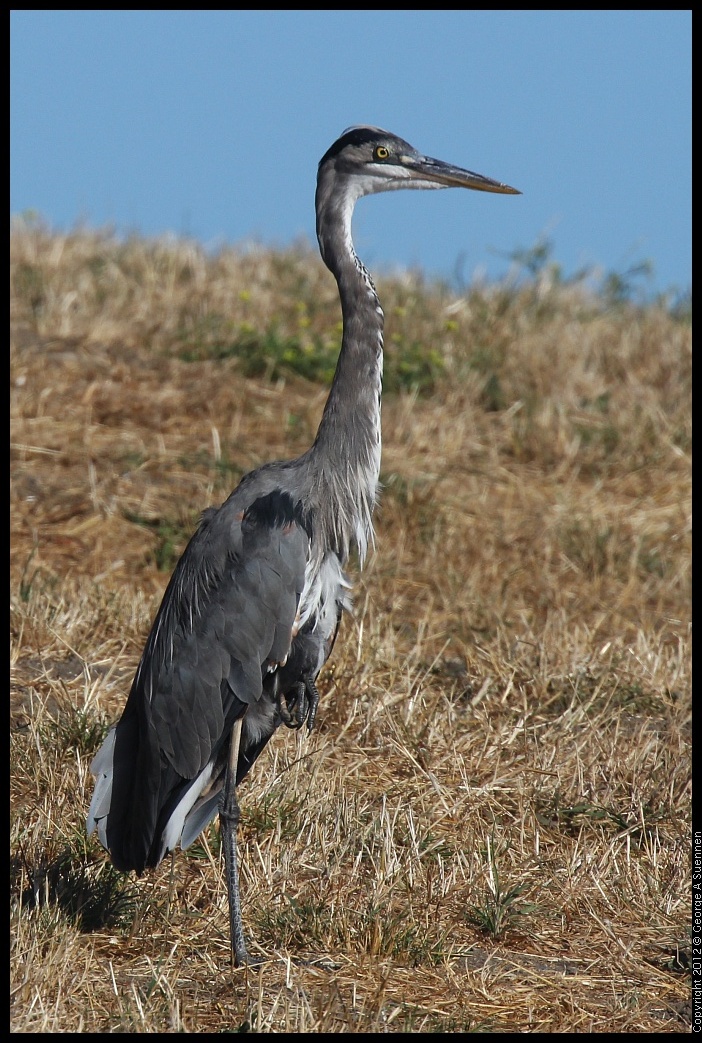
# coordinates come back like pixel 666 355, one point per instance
pixel 171 891
pixel 229 819
pixel 313 694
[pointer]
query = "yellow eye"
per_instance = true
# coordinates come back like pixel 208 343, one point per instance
pixel 380 152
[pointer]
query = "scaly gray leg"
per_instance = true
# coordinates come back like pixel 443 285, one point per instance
pixel 229 820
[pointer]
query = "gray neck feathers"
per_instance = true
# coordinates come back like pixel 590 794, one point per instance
pixel 345 458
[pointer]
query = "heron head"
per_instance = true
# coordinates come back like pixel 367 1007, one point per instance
pixel 365 160
pixel 368 159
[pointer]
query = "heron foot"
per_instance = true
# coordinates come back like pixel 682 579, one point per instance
pixel 299 704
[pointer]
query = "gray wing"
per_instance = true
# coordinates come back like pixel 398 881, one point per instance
pixel 226 619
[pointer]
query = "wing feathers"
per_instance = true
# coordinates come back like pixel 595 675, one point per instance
pixel 227 615
pixel 245 572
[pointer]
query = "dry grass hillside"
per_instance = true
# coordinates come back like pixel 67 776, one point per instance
pixel 489 828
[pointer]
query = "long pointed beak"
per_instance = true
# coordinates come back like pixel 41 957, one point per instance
pixel 445 174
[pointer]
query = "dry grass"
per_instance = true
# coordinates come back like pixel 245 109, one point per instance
pixel 490 827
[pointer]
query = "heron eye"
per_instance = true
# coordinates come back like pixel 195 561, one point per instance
pixel 380 152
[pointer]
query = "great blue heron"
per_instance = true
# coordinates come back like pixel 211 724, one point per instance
pixel 253 607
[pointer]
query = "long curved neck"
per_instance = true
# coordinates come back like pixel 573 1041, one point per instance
pixel 346 451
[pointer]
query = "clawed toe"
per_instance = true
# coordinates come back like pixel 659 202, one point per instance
pixel 299 705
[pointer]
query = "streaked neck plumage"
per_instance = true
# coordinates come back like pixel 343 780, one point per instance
pixel 346 452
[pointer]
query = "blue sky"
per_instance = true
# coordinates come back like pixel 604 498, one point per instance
pixel 210 124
